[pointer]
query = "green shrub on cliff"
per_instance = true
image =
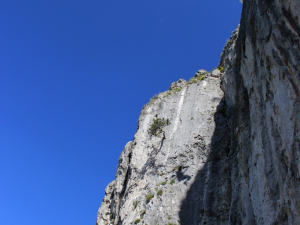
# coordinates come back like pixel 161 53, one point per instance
pixel 149 197
pixel 157 125
pixel 194 80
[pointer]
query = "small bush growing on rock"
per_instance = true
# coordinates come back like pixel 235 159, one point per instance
pixel 149 197
pixel 137 221
pixel 172 181
pixel 168 94
pixel 176 90
pixel 163 183
pixel 159 192
pixel 135 204
pixel 157 125
pixel 194 80
pixel 173 91
pixel 221 68
pixel 201 77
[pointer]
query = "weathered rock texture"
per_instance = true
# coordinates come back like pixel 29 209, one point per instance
pixel 219 157
pixel 261 89
pixel 166 163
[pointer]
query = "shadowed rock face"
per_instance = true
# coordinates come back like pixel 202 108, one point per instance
pixel 264 114
pixel 225 157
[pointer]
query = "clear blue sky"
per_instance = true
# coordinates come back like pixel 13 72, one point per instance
pixel 74 76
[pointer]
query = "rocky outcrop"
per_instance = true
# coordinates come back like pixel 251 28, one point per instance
pixel 171 145
pixel 224 147
pixel 261 88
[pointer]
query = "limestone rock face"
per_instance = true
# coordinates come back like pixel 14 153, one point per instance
pixel 261 86
pixel 223 148
pixel 156 170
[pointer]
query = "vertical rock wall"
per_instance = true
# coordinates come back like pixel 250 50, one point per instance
pixel 225 158
pixel 158 167
pixel 265 136
pixel 261 86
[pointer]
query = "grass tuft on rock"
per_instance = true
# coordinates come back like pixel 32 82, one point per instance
pixel 163 183
pixel 135 204
pixel 159 192
pixel 195 80
pixel 149 197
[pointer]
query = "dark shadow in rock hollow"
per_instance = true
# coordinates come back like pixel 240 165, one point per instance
pixel 198 206
pixel 211 195
pixel 182 177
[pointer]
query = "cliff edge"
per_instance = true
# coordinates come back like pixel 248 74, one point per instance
pixel 224 147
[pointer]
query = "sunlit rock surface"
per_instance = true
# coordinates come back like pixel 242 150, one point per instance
pixel 226 147
pixel 167 163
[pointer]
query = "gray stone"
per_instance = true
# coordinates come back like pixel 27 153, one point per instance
pixel 216 73
pixel 174 156
pixel 178 84
pixel 261 88
pixel 227 157
pixel 201 73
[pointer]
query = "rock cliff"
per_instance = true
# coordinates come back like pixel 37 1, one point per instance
pixel 224 147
